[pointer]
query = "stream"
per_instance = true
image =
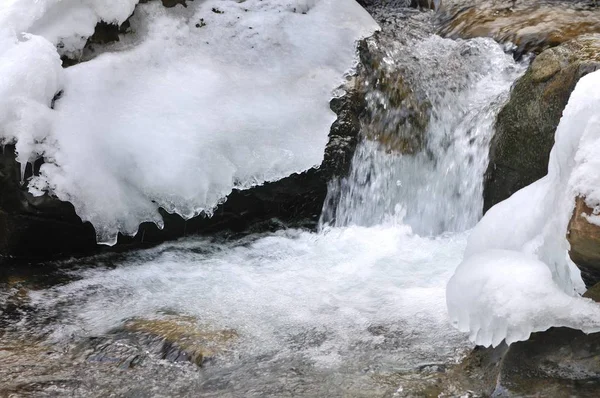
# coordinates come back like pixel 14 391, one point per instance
pixel 356 309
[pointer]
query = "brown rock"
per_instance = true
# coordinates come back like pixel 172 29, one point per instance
pixel 183 338
pixel 584 238
pixel 532 25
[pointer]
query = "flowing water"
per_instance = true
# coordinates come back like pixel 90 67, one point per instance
pixel 357 309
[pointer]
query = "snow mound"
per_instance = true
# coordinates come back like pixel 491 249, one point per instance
pixel 516 277
pixel 194 102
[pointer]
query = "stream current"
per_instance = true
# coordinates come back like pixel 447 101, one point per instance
pixel 356 309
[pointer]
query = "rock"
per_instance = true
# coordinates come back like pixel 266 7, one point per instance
pixel 43 226
pixel 182 338
pixel 593 293
pixel 398 117
pixel 532 26
pixel 525 126
pixel 557 363
pixel 584 238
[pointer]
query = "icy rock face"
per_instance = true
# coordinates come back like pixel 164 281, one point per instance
pixel 516 277
pixel 196 102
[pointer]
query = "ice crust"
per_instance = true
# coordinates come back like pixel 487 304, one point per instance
pixel 516 277
pixel 194 102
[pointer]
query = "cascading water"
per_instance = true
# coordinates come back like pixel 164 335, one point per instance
pixel 357 309
pixel 433 184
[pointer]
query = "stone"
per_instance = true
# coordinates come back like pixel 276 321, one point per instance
pixel 398 120
pixel 584 239
pixel 532 26
pixel 182 338
pixel 525 127
pixel 557 363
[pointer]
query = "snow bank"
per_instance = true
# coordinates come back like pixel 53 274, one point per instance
pixel 516 277
pixel 65 23
pixel 196 101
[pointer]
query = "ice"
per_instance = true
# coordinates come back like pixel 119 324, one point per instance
pixel 516 277
pixel 194 102
pixel 30 76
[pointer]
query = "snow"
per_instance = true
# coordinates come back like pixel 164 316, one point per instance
pixel 194 102
pixel 64 23
pixel 516 277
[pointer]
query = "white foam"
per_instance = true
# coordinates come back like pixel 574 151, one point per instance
pixel 340 282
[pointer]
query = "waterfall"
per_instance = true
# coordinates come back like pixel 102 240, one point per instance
pixel 426 171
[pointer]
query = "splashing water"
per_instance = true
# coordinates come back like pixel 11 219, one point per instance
pixel 439 187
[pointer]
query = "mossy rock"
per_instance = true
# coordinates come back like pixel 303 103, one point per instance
pixel 526 125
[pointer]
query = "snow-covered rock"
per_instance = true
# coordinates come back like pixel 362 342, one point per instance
pixel 194 102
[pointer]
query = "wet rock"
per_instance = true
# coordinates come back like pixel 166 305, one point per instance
pixel 525 126
pixel 43 226
pixel 532 26
pixel 559 362
pixel 396 117
pixel 182 338
pixel 584 238
pixel 173 3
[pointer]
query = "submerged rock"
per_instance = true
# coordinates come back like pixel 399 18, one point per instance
pixel 532 26
pixel 182 339
pixel 584 239
pixel 525 127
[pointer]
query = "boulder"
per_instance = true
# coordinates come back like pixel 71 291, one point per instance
pixel 525 126
pixel 584 238
pixel 532 26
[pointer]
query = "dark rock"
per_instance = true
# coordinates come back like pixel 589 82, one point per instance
pixel 584 239
pixel 104 33
pixel 557 363
pixel 173 3
pixel 525 127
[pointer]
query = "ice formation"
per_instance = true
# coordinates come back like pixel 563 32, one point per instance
pixel 516 277
pixel 194 102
